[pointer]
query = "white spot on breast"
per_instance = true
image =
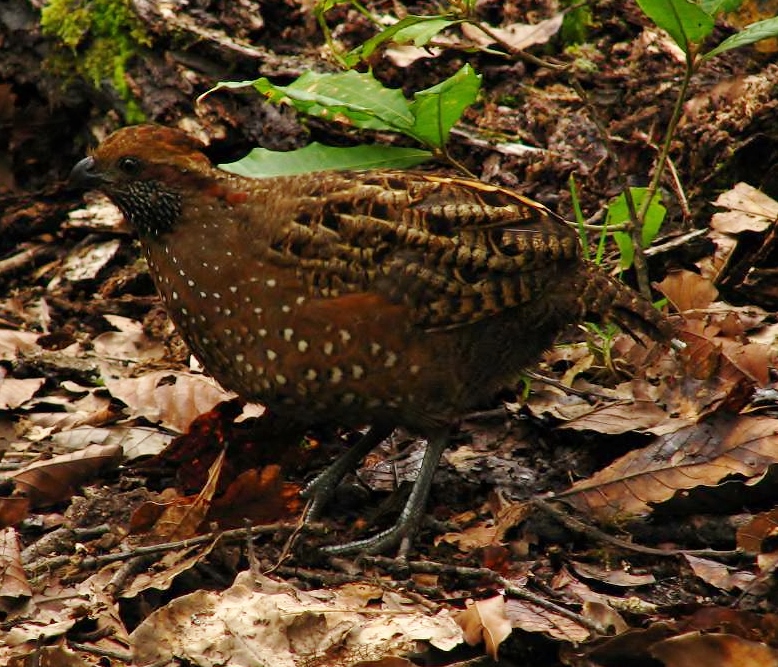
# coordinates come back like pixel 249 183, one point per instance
pixel 357 371
pixel 336 375
pixel 216 295
pixel 262 332
pixel 391 359
pixel 203 294
pixel 288 334
pixel 285 308
pixel 271 282
pixel 271 355
pixel 233 289
pixel 300 300
pixel 257 311
pixel 328 348
pixel 238 357
pixel 345 336
pixel 302 345
pixel 281 379
pixel 311 374
pixel 414 370
pixel 375 348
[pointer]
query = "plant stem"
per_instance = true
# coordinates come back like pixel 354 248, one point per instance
pixel 661 165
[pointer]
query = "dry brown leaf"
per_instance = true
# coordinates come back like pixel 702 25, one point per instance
pixel 485 621
pixel 719 575
pixel 698 455
pixel 531 618
pixel 610 576
pixel 615 418
pixel 53 480
pixel 54 656
pixel 518 36
pixel 259 496
pixel 181 519
pixel 14 393
pixel 749 210
pixel 605 616
pixel 14 586
pixel 172 398
pixel 471 538
pixel 168 568
pixel 12 342
pixel 709 379
pixel 283 627
pixel 129 343
pixel 135 441
pixel 13 510
pixel 714 650
pixel 751 536
pixel 688 291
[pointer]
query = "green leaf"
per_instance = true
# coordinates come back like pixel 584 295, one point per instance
pixel 262 163
pixel 716 7
pixel 748 35
pixel 685 21
pixel 618 214
pixel 416 29
pixel 355 96
pixel 437 109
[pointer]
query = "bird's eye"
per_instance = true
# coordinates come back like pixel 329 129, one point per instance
pixel 130 165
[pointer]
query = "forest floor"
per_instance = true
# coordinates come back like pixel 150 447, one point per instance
pixel 623 513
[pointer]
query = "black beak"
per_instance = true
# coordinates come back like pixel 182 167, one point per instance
pixel 84 175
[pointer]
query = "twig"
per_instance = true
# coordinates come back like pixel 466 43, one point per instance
pixel 432 567
pixel 590 531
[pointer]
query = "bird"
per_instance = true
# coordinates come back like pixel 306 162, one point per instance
pixel 377 299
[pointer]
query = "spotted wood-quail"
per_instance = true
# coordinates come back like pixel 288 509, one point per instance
pixel 381 297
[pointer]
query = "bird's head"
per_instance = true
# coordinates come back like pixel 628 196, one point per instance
pixel 144 170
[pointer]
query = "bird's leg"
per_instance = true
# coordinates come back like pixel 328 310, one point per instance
pixel 408 522
pixel 321 489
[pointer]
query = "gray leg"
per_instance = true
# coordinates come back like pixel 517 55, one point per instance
pixel 408 522
pixel 321 489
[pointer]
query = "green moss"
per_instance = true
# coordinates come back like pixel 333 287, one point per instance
pixel 97 38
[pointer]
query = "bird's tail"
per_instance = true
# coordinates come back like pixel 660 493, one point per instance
pixel 605 299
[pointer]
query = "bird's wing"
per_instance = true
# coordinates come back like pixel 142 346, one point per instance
pixel 453 251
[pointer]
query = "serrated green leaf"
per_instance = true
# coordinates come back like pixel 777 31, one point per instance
pixel 438 108
pixel 262 163
pixel 748 35
pixel 686 22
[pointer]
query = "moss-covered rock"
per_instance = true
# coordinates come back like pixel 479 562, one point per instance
pixel 97 39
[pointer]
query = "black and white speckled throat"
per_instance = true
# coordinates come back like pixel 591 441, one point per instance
pixel 152 210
